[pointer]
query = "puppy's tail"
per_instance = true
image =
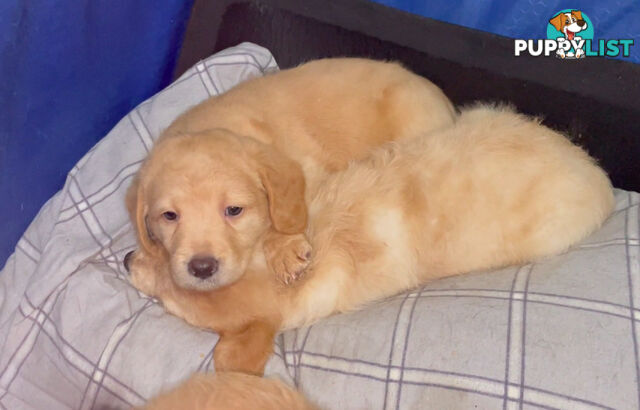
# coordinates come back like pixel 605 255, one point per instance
pixel 230 391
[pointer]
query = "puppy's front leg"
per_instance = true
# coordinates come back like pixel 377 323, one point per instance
pixel 246 350
pixel 287 255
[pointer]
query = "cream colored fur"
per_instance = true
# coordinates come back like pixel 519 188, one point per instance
pixel 326 112
pixel 304 123
pixel 495 189
pixel 230 391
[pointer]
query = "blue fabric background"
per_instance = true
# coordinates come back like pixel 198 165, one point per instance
pixel 612 19
pixel 69 70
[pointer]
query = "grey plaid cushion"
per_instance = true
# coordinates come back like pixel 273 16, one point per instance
pixel 561 333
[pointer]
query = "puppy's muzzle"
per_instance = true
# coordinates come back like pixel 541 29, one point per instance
pixel 203 267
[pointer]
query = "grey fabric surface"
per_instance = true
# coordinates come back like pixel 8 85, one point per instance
pixel 560 333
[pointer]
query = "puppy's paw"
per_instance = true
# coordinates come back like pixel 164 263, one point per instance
pixel 143 282
pixel 142 279
pixel 287 255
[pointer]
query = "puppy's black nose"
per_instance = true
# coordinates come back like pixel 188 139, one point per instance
pixel 581 23
pixel 127 260
pixel 203 266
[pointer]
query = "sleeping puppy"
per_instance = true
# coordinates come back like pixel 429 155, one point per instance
pixel 315 118
pixel 230 391
pixel 495 189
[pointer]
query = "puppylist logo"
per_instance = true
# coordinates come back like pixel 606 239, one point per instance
pixel 570 37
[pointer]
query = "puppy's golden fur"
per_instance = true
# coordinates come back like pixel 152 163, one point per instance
pixel 309 121
pixel 495 189
pixel 230 391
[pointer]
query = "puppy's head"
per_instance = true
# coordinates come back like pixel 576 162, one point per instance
pixel 569 23
pixel 202 202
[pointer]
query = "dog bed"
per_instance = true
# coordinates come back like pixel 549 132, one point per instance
pixel 74 334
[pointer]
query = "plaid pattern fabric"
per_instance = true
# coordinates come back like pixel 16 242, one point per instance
pixel 560 333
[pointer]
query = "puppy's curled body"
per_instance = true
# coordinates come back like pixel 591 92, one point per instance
pixel 496 189
pixel 326 112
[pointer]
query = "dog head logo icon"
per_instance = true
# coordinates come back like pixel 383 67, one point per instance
pixel 569 23
pixel 572 27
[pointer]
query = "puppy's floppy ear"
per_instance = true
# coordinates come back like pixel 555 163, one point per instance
pixel 284 182
pixel 577 14
pixel 558 21
pixel 137 207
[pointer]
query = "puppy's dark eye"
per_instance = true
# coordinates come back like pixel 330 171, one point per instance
pixel 170 216
pixel 233 211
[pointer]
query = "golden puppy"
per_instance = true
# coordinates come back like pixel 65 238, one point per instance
pixel 495 189
pixel 315 119
pixel 230 391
